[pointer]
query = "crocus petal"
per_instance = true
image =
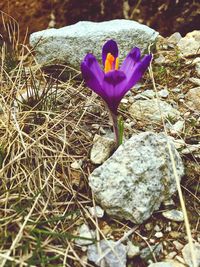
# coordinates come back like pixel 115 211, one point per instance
pixel 92 74
pixel 109 47
pixel 137 72
pixel 113 84
pixel 92 63
pixel 130 61
pixel 145 63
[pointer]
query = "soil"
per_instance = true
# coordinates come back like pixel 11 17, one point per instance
pixel 165 16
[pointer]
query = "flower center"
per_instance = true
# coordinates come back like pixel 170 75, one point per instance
pixel 111 63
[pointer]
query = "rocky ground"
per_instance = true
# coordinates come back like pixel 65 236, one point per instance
pixel 54 134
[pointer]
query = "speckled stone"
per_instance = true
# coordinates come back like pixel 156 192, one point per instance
pixel 70 44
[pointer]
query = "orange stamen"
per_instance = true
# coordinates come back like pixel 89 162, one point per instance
pixel 109 62
pixel 116 63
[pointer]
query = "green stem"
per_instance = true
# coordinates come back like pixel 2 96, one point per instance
pixel 114 119
pixel 115 128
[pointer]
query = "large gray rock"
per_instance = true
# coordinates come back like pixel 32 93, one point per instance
pixel 134 181
pixel 70 44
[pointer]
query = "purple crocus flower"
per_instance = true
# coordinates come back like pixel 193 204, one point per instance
pixel 114 82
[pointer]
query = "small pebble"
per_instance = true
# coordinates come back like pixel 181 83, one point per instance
pixel 129 93
pixel 110 260
pixel 131 99
pixel 177 127
pixel 177 245
pixel 101 149
pixel 195 81
pixel 181 96
pixel 169 202
pixel 164 93
pixel 98 127
pixel 147 254
pixel 173 215
pixel 176 90
pixel 149 226
pixel 137 86
pixel 124 101
pixel 95 126
pixel 158 234
pixel 84 248
pixel 187 114
pixel 165 253
pixel 171 255
pixel 132 250
pixel 190 149
pixel 174 38
pixel 196 60
pixel 160 60
pixel 157 228
pixel 77 164
pixel 85 232
pixel 179 143
pixel 146 94
pixel 106 230
pixel 187 254
pixel 96 211
pixel 168 229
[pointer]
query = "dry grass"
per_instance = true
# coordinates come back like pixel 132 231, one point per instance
pixel 46 125
pixel 41 196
